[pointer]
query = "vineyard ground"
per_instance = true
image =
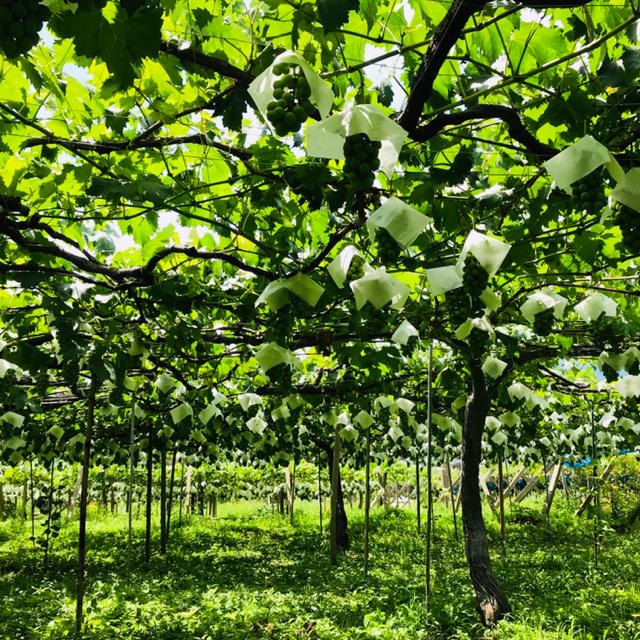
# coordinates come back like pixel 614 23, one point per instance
pixel 250 574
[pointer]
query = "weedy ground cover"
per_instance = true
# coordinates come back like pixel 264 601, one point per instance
pixel 250 574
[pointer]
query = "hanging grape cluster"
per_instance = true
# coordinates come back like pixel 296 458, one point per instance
pixel 458 306
pixel 388 248
pixel 290 106
pixel 298 307
pixel 588 194
pixel 478 341
pixel 361 160
pixel 609 373
pixel 461 306
pixel 356 268
pixel 543 322
pixel 280 327
pixel 606 333
pixel 280 375
pixel 20 23
pixel 474 277
pixel 629 222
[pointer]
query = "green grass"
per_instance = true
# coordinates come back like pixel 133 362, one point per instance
pixel 249 574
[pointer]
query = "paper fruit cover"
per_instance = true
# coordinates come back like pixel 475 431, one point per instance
pixel 489 252
pixel 277 293
pixel 339 266
pixel 541 301
pixel 403 222
pixel 261 89
pixel 379 288
pixel 579 160
pixel 325 139
pixel 627 191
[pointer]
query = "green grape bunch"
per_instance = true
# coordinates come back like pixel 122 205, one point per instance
pixel 280 327
pixel 458 305
pixel 478 341
pixel 280 375
pixel 361 160
pixel 20 24
pixel 543 322
pixel 629 222
pixel 606 333
pixel 474 277
pixel 609 373
pixel 388 248
pixel 356 268
pixel 290 106
pixel 588 194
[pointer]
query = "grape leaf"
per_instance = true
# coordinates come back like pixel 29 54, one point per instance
pixel 334 13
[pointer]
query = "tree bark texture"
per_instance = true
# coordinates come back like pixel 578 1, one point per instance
pixel 492 604
pixel 342 524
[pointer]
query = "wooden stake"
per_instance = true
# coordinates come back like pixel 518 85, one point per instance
pixel 181 490
pixel 147 540
pixel 585 503
pixel 163 499
pixel 171 483
pixel 33 505
pixel 320 492
pixel 453 502
pixel 429 493
pixel 293 489
pixel 532 484
pixel 418 490
pixel 551 489
pixel 333 525
pixel 500 496
pixel 367 500
pixel 132 424
pixel 596 489
pixel 82 532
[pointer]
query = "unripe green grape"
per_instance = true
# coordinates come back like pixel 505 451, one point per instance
pixel 300 114
pixel 477 340
pixel 303 91
pixel 360 156
pixel 10 48
pixel 356 268
pixel 16 30
pixel 388 249
pixel 543 322
pixel 458 305
pixel 32 26
pixel 474 277
pixel 25 43
pixel 610 374
pixel 19 10
pixel 42 13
